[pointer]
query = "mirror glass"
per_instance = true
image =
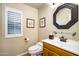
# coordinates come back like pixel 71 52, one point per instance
pixel 63 16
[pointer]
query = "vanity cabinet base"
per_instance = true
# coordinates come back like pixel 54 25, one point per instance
pixel 51 50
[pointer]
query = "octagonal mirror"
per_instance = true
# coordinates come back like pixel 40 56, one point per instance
pixel 63 16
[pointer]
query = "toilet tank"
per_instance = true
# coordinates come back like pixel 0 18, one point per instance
pixel 40 43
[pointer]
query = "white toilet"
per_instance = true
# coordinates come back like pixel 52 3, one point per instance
pixel 36 49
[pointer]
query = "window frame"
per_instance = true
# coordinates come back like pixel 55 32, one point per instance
pixel 6 22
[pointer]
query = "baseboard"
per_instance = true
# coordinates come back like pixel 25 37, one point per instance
pixel 22 54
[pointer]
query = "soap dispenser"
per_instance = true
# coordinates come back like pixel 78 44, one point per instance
pixel 51 36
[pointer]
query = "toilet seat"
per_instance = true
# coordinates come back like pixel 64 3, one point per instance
pixel 34 48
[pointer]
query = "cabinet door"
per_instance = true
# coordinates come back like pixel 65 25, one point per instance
pixel 50 53
pixel 45 52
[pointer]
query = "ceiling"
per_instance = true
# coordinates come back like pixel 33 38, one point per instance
pixel 35 5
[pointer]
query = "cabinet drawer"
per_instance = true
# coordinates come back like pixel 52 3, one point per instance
pixel 57 50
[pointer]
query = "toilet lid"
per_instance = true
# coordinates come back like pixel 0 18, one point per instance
pixel 35 47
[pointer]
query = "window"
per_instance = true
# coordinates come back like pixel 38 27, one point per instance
pixel 13 22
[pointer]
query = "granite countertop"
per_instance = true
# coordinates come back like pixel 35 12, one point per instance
pixel 70 45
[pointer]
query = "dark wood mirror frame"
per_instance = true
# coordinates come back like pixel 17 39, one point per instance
pixel 74 15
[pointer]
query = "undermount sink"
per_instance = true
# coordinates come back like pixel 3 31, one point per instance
pixel 57 42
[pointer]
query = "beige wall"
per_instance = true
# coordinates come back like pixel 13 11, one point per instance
pixel 47 11
pixel 0 27
pixel 0 16
pixel 17 45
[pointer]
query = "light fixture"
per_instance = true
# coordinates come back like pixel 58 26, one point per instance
pixel 54 5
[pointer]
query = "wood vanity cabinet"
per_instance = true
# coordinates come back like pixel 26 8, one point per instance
pixel 51 50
